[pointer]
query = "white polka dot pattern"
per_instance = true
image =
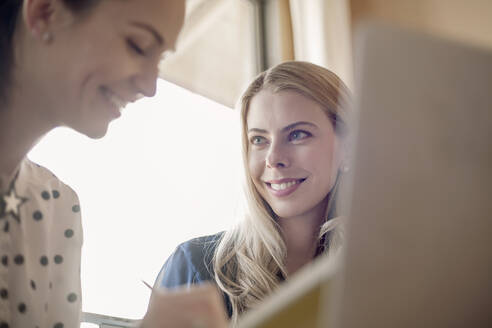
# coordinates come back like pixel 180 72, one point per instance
pixel 40 244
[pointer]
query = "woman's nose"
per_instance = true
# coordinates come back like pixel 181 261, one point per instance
pixel 277 157
pixel 146 81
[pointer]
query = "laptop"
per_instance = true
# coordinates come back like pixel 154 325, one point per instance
pixel 418 249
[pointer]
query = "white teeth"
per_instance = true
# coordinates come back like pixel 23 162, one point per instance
pixel 283 186
pixel 115 100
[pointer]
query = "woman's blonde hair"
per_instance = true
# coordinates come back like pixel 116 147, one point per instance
pixel 249 259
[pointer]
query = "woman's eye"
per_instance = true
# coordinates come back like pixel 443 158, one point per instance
pixel 257 140
pixel 299 135
pixel 135 47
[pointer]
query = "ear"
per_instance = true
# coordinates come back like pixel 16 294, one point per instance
pixel 37 15
pixel 342 160
pixel 42 16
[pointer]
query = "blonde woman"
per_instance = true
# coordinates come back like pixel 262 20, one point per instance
pixel 293 119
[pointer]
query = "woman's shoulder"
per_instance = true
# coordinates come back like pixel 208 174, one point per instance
pixel 38 176
pixel 190 263
pixel 199 251
pixel 201 246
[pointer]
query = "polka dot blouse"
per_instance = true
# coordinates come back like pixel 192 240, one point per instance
pixel 40 244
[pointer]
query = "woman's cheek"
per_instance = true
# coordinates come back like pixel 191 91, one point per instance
pixel 256 165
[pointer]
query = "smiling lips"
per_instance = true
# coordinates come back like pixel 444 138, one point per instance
pixel 283 187
pixel 117 102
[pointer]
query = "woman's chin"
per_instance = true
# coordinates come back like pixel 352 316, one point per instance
pixel 287 212
pixel 95 131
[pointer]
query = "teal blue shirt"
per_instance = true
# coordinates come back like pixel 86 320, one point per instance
pixel 192 263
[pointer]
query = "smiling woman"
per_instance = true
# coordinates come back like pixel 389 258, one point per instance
pixel 286 132
pixel 99 85
pixel 57 71
pixel 293 119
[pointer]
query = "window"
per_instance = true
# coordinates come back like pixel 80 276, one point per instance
pixel 167 171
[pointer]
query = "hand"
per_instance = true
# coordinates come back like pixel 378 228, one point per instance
pixel 200 306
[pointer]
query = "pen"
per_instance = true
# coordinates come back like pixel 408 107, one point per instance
pixel 146 284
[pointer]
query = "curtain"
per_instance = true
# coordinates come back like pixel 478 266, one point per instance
pixel 225 43
pixel 322 35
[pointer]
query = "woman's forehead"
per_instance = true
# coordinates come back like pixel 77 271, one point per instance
pixel 279 109
pixel 164 16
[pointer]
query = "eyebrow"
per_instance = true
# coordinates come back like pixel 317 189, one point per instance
pixel 151 30
pixel 287 128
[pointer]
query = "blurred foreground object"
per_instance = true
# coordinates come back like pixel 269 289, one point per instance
pixel 469 21
pixel 303 301
pixel 199 306
pixel 418 250
pixel 104 321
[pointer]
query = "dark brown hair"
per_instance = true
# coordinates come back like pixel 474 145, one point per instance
pixel 9 15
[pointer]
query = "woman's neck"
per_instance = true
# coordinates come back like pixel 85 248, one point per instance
pixel 301 236
pixel 22 120
pixel 21 128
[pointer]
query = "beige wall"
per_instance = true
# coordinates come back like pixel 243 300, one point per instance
pixel 465 20
pixel 321 35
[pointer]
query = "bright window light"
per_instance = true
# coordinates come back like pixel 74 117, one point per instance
pixel 167 171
